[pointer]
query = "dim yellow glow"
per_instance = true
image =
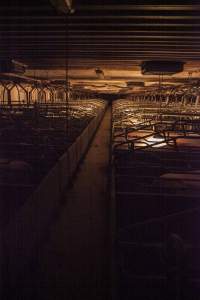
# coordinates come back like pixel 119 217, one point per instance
pixel 154 140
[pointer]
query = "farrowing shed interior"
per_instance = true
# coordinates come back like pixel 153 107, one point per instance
pixel 99 149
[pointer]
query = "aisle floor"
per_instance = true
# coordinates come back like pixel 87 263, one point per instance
pixel 75 263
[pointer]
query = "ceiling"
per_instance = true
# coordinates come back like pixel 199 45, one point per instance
pixel 115 36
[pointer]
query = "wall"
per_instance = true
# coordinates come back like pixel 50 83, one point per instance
pixel 20 240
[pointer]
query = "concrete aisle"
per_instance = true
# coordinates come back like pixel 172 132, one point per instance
pixel 75 263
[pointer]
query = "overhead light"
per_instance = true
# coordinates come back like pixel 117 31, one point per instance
pixel 156 138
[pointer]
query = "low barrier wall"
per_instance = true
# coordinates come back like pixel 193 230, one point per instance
pixel 20 239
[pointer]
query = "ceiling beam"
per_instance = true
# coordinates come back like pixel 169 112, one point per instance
pixel 117 46
pixel 84 24
pixel 122 7
pixel 105 7
pixel 133 17
pixel 99 17
pixel 110 37
pixel 116 43
pixel 102 51
pixel 86 31
pixel 101 56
